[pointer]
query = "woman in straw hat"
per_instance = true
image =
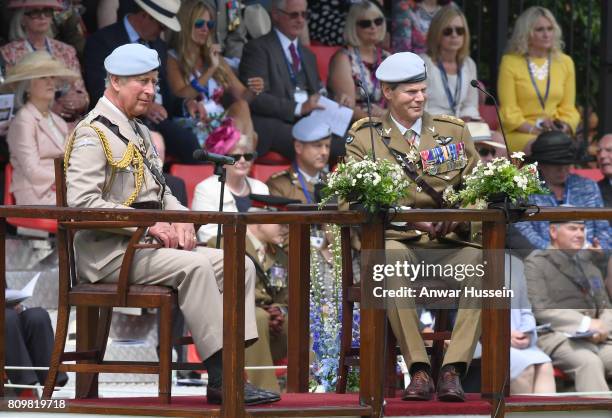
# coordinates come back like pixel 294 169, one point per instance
pixel 31 31
pixel 36 135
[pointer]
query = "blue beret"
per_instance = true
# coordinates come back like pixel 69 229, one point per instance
pixel 403 67
pixel 310 129
pixel 131 59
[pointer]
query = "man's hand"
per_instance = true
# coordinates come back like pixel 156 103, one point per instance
pixel 196 109
pixel 311 104
pixel 165 233
pixel 441 229
pixel 156 113
pixel 519 339
pixel 600 330
pixel 186 235
pixel 427 227
pixel 277 318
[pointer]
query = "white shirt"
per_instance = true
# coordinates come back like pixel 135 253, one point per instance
pixel 416 128
pixel 285 43
pixel 316 179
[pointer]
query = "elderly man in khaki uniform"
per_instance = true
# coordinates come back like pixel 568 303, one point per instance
pixel 435 152
pixel 567 291
pixel 302 181
pixel 111 163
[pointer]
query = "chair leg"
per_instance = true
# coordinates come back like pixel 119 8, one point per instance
pixel 61 333
pixel 89 319
pixel 390 364
pixel 165 350
pixel 437 350
pixel 346 338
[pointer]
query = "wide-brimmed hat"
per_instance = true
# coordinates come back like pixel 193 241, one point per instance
pixel 553 147
pixel 164 11
pixel 35 4
pixel 38 64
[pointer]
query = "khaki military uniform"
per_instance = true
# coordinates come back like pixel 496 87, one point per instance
pixel 412 246
pixel 287 184
pixel 103 172
pixel 556 296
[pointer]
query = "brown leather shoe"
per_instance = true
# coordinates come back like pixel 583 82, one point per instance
pixel 421 387
pixel 449 385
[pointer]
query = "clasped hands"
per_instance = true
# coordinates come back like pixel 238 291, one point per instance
pixel 174 235
pixel 436 229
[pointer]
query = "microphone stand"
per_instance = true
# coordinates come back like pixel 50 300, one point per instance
pixel 221 174
pixel 475 84
pixel 369 109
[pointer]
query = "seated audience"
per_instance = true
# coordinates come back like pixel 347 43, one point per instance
pixel 555 153
pixel 566 291
pixel 291 81
pixel 410 22
pixel 36 135
pixel 304 179
pixel 238 186
pixel 30 27
pixel 230 28
pixel 197 70
pixel 604 161
pixel 537 81
pixel 357 62
pixel 28 340
pixel 145 26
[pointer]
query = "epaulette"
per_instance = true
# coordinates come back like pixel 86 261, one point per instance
pixel 360 124
pixel 450 119
pixel 279 174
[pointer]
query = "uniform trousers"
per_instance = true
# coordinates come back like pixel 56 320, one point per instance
pixel 402 314
pixel 198 277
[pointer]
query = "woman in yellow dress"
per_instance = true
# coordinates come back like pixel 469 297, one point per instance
pixel 537 81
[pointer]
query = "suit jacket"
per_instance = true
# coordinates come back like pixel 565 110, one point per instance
pixel 177 187
pixel 557 298
pixel 606 191
pixel 92 183
pixel 231 42
pixel 33 146
pixel 101 43
pixel 264 57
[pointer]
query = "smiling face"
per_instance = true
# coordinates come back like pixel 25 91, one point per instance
pixel 542 34
pixel 133 95
pixel 406 101
pixel 200 27
pixel 42 90
pixel 242 167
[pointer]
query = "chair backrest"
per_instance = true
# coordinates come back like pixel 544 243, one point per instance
pixel 589 173
pixel 324 55
pixel 192 175
pixel 262 172
pixel 65 247
pixel 9 199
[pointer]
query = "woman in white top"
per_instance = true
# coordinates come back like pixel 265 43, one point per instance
pixel 449 66
pixel 238 185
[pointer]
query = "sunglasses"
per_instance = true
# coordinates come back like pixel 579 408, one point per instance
pixel 483 152
pixel 38 13
pixel 199 23
pixel 459 30
pixel 366 23
pixel 295 15
pixel 249 156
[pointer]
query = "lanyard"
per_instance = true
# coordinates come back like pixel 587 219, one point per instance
pixel 535 86
pixel 292 74
pixel 303 184
pixel 453 101
pixel 373 79
pixel 47 46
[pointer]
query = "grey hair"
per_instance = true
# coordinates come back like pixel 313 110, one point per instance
pixel 22 90
pixel 107 79
pixel 278 4
pixel 356 11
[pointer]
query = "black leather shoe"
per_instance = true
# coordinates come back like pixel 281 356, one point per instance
pixel 449 385
pixel 252 395
pixel 421 387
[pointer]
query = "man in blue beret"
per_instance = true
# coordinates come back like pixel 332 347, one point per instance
pixel 435 152
pixel 95 179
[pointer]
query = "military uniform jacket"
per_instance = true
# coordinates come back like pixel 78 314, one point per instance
pixel 287 184
pixel 265 294
pixel 436 131
pixel 91 182
pixel 557 298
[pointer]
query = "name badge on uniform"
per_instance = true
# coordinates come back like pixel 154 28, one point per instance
pixel 277 276
pixel 444 158
pixel 300 96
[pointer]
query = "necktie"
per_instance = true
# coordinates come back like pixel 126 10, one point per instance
pixel 410 136
pixel 295 58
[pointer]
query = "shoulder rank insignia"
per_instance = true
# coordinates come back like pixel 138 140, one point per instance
pixel 450 119
pixel 364 123
pixel 279 174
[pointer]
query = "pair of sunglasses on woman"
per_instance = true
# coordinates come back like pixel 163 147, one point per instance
pixel 199 23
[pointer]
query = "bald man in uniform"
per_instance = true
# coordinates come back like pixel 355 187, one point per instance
pixel 435 152
pixel 111 163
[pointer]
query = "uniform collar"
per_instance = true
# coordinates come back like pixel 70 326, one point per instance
pixel 310 179
pixel 416 126
pixel 116 111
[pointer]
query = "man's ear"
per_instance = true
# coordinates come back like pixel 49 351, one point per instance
pixel 115 82
pixel 387 91
pixel 552 230
pixel 298 146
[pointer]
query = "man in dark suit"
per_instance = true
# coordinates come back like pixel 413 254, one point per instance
pixel 291 81
pixel 604 160
pixel 145 26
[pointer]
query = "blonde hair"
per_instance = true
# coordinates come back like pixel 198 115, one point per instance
pixel 523 27
pixel 356 11
pixel 188 51
pixel 22 93
pixel 441 21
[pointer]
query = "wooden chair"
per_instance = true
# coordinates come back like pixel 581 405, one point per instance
pixel 96 301
pixel 349 355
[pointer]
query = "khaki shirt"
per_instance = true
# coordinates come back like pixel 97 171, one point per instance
pixel 287 184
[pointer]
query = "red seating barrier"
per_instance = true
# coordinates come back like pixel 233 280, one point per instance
pixel 191 175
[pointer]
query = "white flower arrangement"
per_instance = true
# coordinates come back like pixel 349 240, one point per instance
pixel 500 177
pixel 375 184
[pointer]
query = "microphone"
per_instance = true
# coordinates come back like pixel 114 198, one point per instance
pixel 359 84
pixel 202 155
pixel 474 83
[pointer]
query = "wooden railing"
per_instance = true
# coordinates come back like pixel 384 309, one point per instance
pixel 495 320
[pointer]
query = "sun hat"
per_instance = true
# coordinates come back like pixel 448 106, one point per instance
pixel 164 11
pixel 35 4
pixel 38 64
